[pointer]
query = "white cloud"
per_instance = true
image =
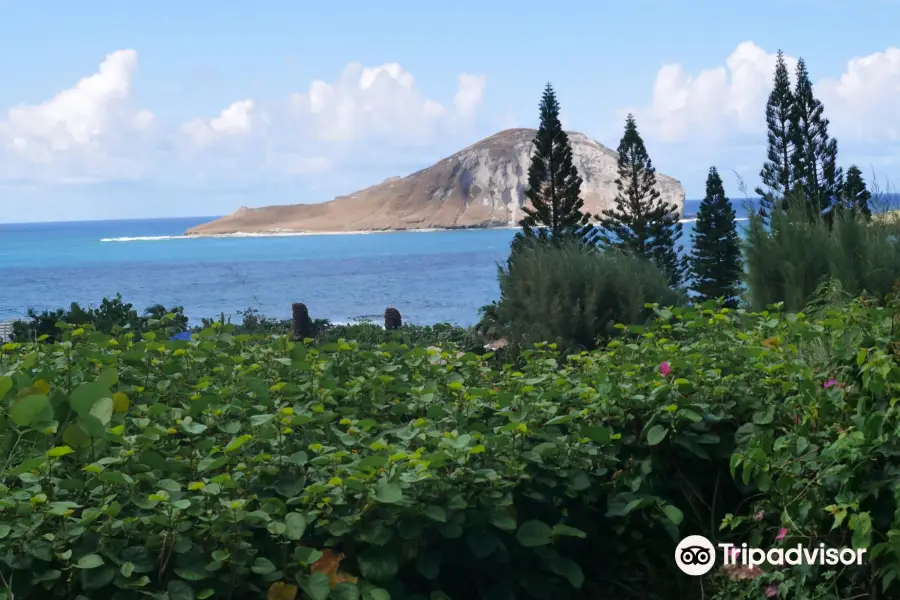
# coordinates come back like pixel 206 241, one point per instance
pixel 93 130
pixel 724 102
pixel 240 118
pixel 379 102
pixel 81 128
pixel 471 90
pixel 864 99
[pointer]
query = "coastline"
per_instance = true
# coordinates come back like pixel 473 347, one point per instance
pixel 251 234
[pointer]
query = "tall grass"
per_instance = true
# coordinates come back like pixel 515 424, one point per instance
pixel 574 295
pixel 788 259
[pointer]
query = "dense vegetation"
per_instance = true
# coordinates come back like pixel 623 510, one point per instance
pixel 143 458
pixel 230 464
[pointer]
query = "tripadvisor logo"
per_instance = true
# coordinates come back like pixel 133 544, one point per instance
pixel 695 555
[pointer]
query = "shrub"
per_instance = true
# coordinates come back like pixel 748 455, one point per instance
pixel 787 260
pixel 113 315
pixel 574 294
pixel 234 464
pixel 369 335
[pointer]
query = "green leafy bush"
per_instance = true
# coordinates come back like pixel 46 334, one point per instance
pixel 113 315
pixel 233 465
pixel 788 259
pixel 573 295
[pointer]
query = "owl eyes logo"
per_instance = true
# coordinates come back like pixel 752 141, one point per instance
pixel 695 555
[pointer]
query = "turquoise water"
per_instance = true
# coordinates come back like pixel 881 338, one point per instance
pixel 430 276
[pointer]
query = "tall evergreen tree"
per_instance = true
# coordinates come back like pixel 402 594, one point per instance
pixel 814 157
pixel 854 195
pixel 641 223
pixel 715 260
pixel 554 186
pixel 776 171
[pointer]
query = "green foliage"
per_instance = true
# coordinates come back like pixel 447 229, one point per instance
pixel 776 173
pixel 641 223
pixel 112 316
pixel 814 157
pixel 235 465
pixel 554 186
pixel 371 335
pixel 252 321
pixel 715 260
pixel 788 259
pixel 854 195
pixel 573 294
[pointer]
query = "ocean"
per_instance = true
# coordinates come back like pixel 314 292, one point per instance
pixel 431 277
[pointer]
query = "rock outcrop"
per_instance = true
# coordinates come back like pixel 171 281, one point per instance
pixel 479 187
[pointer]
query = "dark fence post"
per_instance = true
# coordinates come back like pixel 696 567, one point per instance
pixel 392 319
pixel 301 323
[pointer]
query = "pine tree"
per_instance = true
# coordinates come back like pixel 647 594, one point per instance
pixel 641 223
pixel 854 195
pixel 554 186
pixel 715 260
pixel 814 157
pixel 776 172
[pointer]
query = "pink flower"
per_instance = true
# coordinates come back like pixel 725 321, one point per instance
pixel 771 590
pixel 781 534
pixel 832 383
pixel 734 553
pixel 664 368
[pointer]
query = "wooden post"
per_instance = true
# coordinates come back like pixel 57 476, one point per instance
pixel 301 323
pixel 392 319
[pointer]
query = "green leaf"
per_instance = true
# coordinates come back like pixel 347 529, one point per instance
pixel 436 513
pixel 298 458
pixel 503 521
pixel 568 569
pixel 263 566
pixel 656 434
pixel 569 531
pixel 317 586
pixel 180 590
pixel 59 451
pixel 597 433
pixel 6 384
pixel 673 513
pixel 534 533
pixel 84 396
pixel 89 561
pixel 296 526
pixel 690 415
pixel 103 410
pixel 193 427
pixel 378 565
pixel 238 442
pixel 108 378
pixel 31 409
pixel 376 594
pixel 345 591
pixel 388 493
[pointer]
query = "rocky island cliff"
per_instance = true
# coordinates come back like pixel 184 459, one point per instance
pixel 481 186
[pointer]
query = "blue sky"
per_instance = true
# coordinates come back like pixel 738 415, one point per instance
pixel 131 110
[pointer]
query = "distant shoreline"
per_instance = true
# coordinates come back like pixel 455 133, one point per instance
pixel 242 234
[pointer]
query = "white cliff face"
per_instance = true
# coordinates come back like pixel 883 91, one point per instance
pixel 494 174
pixel 480 186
